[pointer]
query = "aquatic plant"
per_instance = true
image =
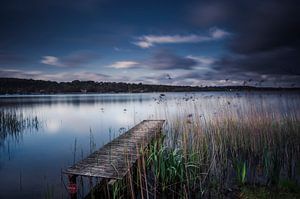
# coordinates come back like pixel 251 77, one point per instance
pixel 201 156
pixel 210 155
pixel 13 123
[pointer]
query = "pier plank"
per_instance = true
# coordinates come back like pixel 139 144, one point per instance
pixel 113 160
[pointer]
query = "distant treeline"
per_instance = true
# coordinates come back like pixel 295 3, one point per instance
pixel 30 86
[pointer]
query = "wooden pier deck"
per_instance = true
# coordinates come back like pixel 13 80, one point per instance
pixel 115 159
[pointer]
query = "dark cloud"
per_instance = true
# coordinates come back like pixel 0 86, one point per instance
pixel 266 34
pixel 270 25
pixel 223 77
pixel 167 60
pixel 164 78
pixel 285 61
pixel 40 6
pixel 195 75
pixel 211 13
pixel 80 58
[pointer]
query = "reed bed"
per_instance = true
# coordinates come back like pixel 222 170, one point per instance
pixel 13 123
pixel 228 152
pixel 220 155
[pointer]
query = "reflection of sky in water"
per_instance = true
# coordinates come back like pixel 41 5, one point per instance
pixel 37 159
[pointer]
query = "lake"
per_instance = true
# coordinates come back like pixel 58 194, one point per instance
pixel 41 135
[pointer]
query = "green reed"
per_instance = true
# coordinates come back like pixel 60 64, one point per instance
pixel 202 155
pixel 220 156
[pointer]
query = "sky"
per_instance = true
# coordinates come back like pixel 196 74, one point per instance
pixel 199 43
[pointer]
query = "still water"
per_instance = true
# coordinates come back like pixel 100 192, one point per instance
pixel 40 135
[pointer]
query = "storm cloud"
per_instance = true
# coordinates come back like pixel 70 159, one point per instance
pixel 167 60
pixel 266 34
pixel 207 42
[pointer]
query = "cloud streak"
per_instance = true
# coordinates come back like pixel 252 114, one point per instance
pixel 51 60
pixel 148 41
pixel 74 59
pixel 167 60
pixel 202 61
pixel 62 76
pixel 124 64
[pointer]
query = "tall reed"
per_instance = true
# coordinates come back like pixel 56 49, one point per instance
pixel 203 155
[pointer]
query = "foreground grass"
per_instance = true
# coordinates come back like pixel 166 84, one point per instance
pixel 224 158
pixel 221 147
pixel 254 192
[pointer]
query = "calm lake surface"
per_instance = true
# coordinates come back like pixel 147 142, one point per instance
pixel 40 135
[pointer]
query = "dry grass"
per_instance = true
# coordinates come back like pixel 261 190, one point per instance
pixel 204 155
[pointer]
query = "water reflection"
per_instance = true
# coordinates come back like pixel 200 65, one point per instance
pixel 13 123
pixel 72 99
pixel 29 168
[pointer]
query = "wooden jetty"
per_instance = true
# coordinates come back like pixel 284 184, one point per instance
pixel 114 160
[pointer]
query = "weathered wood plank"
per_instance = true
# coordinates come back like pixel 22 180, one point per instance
pixel 114 159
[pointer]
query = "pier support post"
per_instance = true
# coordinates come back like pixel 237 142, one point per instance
pixel 72 187
pixel 109 162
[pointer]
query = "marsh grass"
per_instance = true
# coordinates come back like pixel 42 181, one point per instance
pixel 216 156
pixel 13 123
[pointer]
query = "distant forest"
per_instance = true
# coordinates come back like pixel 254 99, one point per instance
pixel 30 86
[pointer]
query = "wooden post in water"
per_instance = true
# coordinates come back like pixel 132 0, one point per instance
pixel 72 187
pixel 111 161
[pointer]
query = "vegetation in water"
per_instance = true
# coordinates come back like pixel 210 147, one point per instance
pixel 228 156
pixel 13 123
